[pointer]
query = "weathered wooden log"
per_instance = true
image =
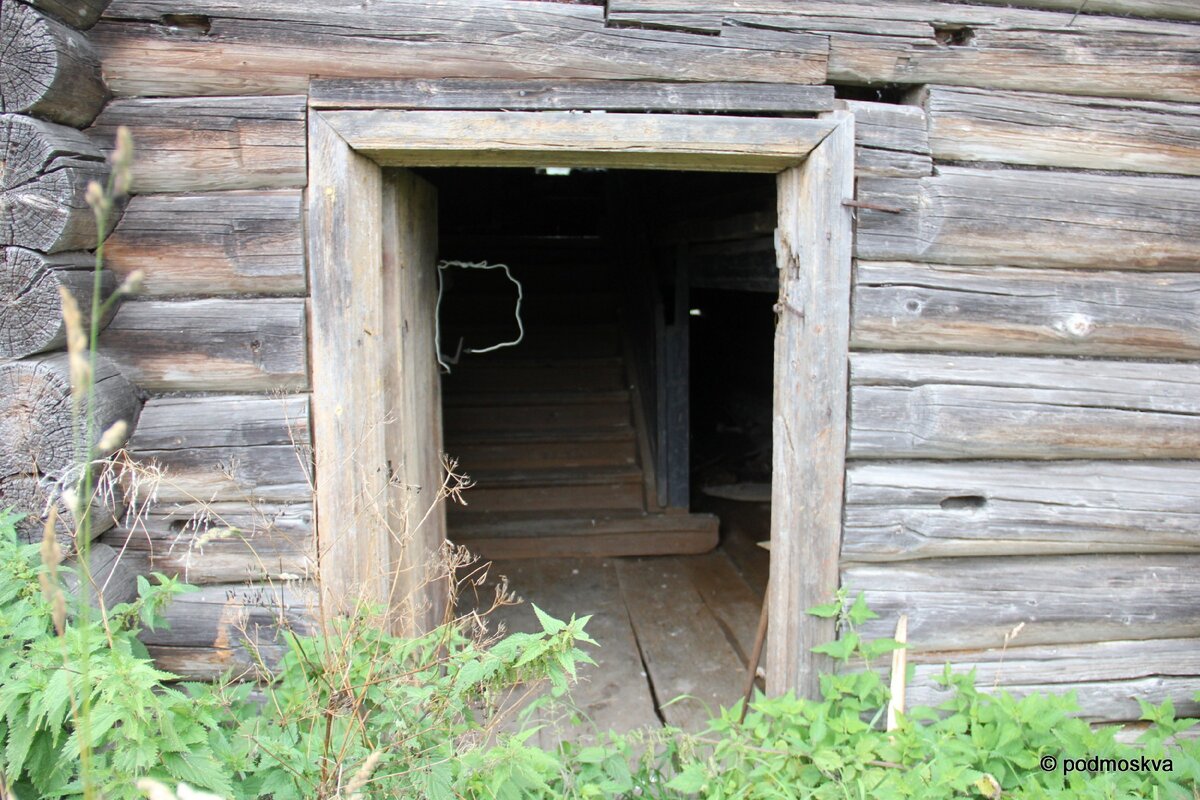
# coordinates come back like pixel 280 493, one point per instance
pixel 1063 131
pixel 968 603
pixel 49 70
pixel 211 143
pixel 966 45
pixel 235 448
pixel 940 406
pixel 455 94
pixel 211 244
pixel 230 627
pixel 901 306
pixel 891 140
pixel 31 318
pixel 81 14
pixel 44 172
pixel 275 46
pixel 1033 219
pixel 205 543
pixel 897 511
pixel 1153 9
pixel 210 345
pixel 33 496
pixel 36 415
pixel 1108 677
pixel 111 577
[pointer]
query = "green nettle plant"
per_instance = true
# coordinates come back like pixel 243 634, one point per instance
pixel 353 711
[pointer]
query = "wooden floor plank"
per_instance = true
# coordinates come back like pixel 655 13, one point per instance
pixel 615 693
pixel 682 643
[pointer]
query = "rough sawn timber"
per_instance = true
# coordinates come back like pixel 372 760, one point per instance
pixel 1033 218
pixel 213 243
pixel 1108 677
pixel 892 140
pixel 209 144
pixel 968 603
pixel 226 448
pixel 560 138
pixel 274 46
pixel 466 94
pixel 31 319
pixel 812 342
pixel 44 173
pixel 212 345
pixel 960 44
pixel 941 406
pixel 49 70
pixel 902 306
pixel 897 511
pixel 1062 131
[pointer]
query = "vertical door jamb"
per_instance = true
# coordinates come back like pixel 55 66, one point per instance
pixel 812 350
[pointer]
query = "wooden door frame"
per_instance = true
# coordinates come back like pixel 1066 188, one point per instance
pixel 353 341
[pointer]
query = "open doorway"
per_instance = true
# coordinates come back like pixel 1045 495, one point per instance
pixel 592 416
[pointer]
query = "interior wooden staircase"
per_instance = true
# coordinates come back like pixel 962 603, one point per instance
pixel 549 433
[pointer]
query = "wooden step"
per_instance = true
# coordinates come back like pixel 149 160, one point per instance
pixel 604 535
pixel 538 375
pixel 570 447
pixel 461 420
pixel 551 490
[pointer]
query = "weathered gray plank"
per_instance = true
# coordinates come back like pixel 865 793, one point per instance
pixel 901 306
pixel 812 342
pixel 210 345
pixel 49 70
pixel 111 578
pixel 967 603
pixel 31 319
pixel 276 45
pixel 459 94
pixel 560 138
pixel 940 406
pixel 905 510
pixel 230 628
pixel 1063 131
pixel 235 448
pixel 205 144
pixel 965 45
pixel 223 542
pixel 1033 219
pixel 46 171
pixel 892 140
pixel 214 243
pixel 1108 677
pixel 81 14
pixel 1155 9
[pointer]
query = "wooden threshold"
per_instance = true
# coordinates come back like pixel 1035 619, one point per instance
pixel 600 536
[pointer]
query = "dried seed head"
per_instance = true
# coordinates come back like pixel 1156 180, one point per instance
pixel 154 790
pixel 77 344
pixel 96 198
pixel 122 161
pixel 114 437
pixel 132 283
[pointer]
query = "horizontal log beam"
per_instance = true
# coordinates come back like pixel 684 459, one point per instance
pixel 897 511
pixel 890 140
pixel 273 47
pixel 223 542
pixel 969 603
pixel 941 406
pixel 464 94
pixel 230 628
pixel 1063 131
pixel 961 44
pixel 1033 219
pixel 903 306
pixel 226 448
pixel 47 168
pixel 49 69
pixel 212 244
pixel 209 144
pixel 554 138
pixel 1108 678
pixel 81 14
pixel 210 345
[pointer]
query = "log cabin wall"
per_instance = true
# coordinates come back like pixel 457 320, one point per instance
pixel 1025 374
